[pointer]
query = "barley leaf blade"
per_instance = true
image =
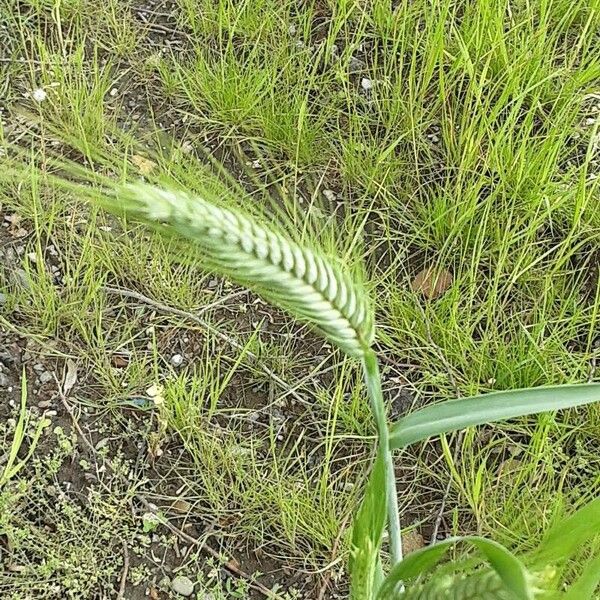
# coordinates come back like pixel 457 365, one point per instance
pixel 509 568
pixel 367 532
pixel 453 415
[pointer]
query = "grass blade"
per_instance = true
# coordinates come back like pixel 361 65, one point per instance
pixel 367 533
pixel 570 534
pixel 19 435
pixel 12 467
pixel 498 406
pixel 586 585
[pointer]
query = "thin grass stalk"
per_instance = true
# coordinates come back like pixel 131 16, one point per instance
pixel 373 381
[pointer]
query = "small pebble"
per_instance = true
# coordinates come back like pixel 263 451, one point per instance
pixel 355 65
pixel 366 84
pixel 3 380
pixel 176 360
pixel 153 391
pixel 187 147
pixel 114 92
pixel 3 298
pixel 103 442
pixel 329 194
pixel 182 585
pixel 38 95
pixel 254 416
pixel 45 377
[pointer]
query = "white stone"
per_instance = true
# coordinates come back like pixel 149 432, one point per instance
pixel 176 360
pixel 182 585
pixel 39 95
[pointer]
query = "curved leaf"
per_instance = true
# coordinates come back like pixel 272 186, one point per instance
pixel 511 570
pixel 497 406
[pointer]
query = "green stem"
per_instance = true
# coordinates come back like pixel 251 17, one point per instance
pixel 373 380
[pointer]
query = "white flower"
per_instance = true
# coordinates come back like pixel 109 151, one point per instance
pixel 39 95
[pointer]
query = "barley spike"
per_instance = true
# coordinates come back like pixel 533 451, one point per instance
pixel 294 277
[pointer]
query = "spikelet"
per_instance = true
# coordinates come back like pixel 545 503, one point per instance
pixel 483 584
pixel 291 276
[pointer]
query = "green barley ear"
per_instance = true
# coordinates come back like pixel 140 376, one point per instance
pixel 289 275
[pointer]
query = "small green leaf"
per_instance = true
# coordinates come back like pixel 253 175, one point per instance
pixel 511 570
pixel 365 566
pixel 570 534
pixel 489 408
pixel 151 521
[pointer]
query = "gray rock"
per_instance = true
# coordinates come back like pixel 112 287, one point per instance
pixel 4 382
pixel 329 194
pixel 6 357
pixel 355 65
pixel 182 585
pixel 176 360
pixel 21 278
pixel 45 377
pixel 3 298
